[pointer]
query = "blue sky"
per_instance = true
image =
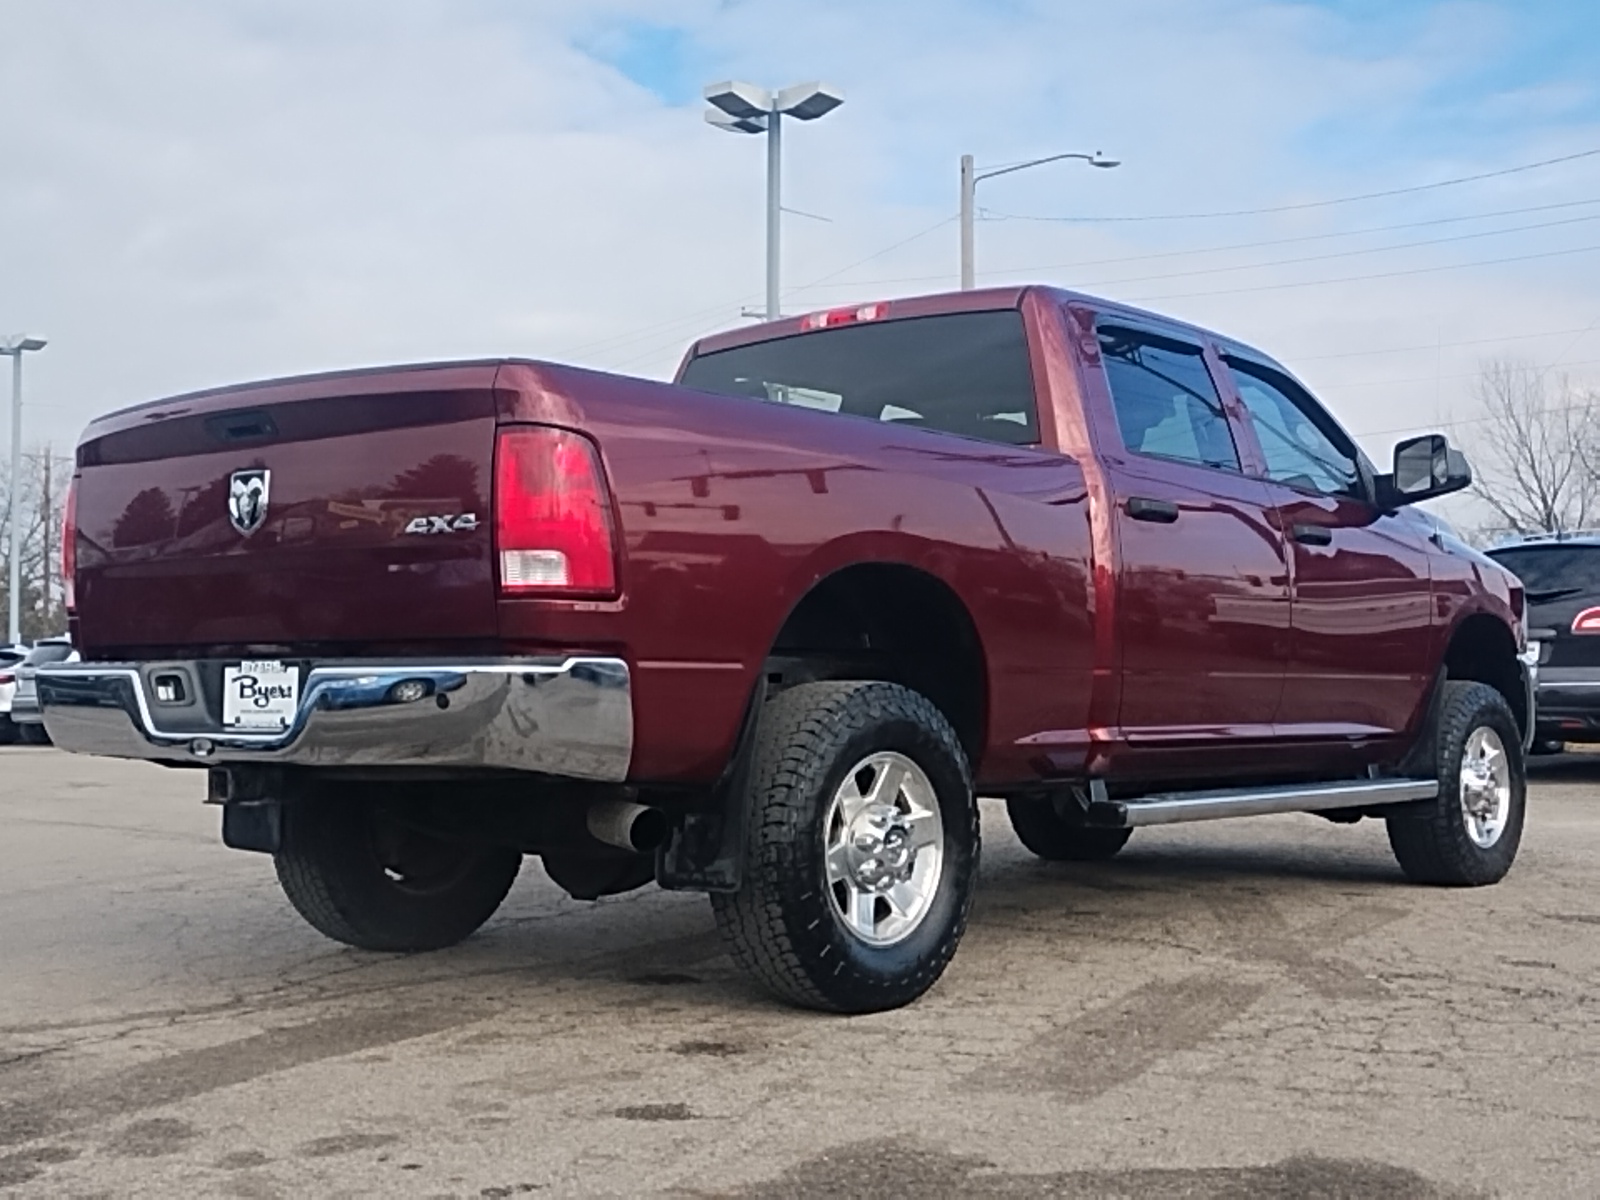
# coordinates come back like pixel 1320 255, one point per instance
pixel 297 186
pixel 1502 64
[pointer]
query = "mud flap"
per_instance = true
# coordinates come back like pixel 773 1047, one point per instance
pixel 705 851
pixel 252 807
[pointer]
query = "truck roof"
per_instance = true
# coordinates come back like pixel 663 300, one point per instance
pixel 977 300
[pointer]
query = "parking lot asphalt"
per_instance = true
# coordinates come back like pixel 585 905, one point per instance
pixel 1245 1008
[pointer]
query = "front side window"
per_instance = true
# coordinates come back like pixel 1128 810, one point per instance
pixel 1166 404
pixel 1301 446
pixel 965 373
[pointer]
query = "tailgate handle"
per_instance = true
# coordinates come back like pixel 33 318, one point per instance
pixel 1312 535
pixel 1141 508
pixel 241 427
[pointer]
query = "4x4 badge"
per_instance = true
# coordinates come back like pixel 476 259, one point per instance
pixel 247 499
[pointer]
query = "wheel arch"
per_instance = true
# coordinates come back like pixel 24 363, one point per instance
pixel 895 621
pixel 1481 648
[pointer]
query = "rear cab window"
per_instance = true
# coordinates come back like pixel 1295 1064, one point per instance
pixel 961 373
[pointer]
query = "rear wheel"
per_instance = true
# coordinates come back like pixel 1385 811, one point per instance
pixel 861 848
pixel 1041 827
pixel 361 877
pixel 33 733
pixel 1469 835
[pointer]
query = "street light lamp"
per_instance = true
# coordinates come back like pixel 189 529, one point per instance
pixel 745 108
pixel 16 346
pixel 969 187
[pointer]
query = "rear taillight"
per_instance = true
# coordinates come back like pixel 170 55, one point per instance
pixel 552 515
pixel 6 677
pixel 1588 621
pixel 69 546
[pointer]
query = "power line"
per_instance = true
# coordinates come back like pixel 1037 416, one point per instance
pixel 1288 241
pixel 1431 346
pixel 1368 383
pixel 1289 262
pixel 621 340
pixel 1309 204
pixel 1458 422
pixel 879 254
pixel 1272 287
pixel 638 332
pixel 632 337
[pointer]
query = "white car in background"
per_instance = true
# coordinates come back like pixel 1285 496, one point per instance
pixel 26 717
pixel 10 658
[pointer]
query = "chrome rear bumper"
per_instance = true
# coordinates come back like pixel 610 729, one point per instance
pixel 557 716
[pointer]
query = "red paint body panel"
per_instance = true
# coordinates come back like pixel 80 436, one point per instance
pixel 1201 649
pixel 733 513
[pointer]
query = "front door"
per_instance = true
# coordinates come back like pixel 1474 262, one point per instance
pixel 1203 587
pixel 1360 661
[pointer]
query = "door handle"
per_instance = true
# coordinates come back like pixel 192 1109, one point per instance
pixel 1142 508
pixel 1312 535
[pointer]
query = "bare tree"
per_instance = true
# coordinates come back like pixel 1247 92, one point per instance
pixel 1533 451
pixel 38 504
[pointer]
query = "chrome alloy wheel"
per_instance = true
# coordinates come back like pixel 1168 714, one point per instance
pixel 884 844
pixel 1485 786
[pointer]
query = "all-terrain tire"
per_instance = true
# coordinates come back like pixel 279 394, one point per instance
pixel 359 879
pixel 781 926
pixel 1040 827
pixel 1433 841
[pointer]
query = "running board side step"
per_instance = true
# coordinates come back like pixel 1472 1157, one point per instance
pixel 1173 807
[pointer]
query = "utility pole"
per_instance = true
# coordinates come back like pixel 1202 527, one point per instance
pixel 46 576
pixel 16 346
pixel 970 178
pixel 774 208
pixel 969 195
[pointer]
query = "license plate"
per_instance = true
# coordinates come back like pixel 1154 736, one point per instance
pixel 260 695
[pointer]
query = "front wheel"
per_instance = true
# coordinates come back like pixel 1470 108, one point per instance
pixel 1469 835
pixel 861 848
pixel 364 878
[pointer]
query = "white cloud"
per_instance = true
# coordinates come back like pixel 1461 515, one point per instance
pixel 194 193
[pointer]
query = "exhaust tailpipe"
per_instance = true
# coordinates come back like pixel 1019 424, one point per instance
pixel 627 826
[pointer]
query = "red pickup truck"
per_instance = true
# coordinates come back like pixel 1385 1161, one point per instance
pixel 767 631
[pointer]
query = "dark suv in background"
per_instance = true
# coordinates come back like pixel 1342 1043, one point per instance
pixel 1561 573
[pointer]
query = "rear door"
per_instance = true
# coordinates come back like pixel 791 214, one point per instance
pixel 1361 650
pixel 1203 585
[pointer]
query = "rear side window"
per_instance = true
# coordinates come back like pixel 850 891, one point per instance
pixel 965 373
pixel 1166 402
pixel 1547 569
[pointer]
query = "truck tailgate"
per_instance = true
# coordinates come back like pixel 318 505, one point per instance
pixel 373 522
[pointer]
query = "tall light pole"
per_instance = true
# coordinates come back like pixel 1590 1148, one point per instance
pixel 745 108
pixel 16 346
pixel 970 179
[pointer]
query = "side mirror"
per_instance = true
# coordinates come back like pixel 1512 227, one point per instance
pixel 1425 467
